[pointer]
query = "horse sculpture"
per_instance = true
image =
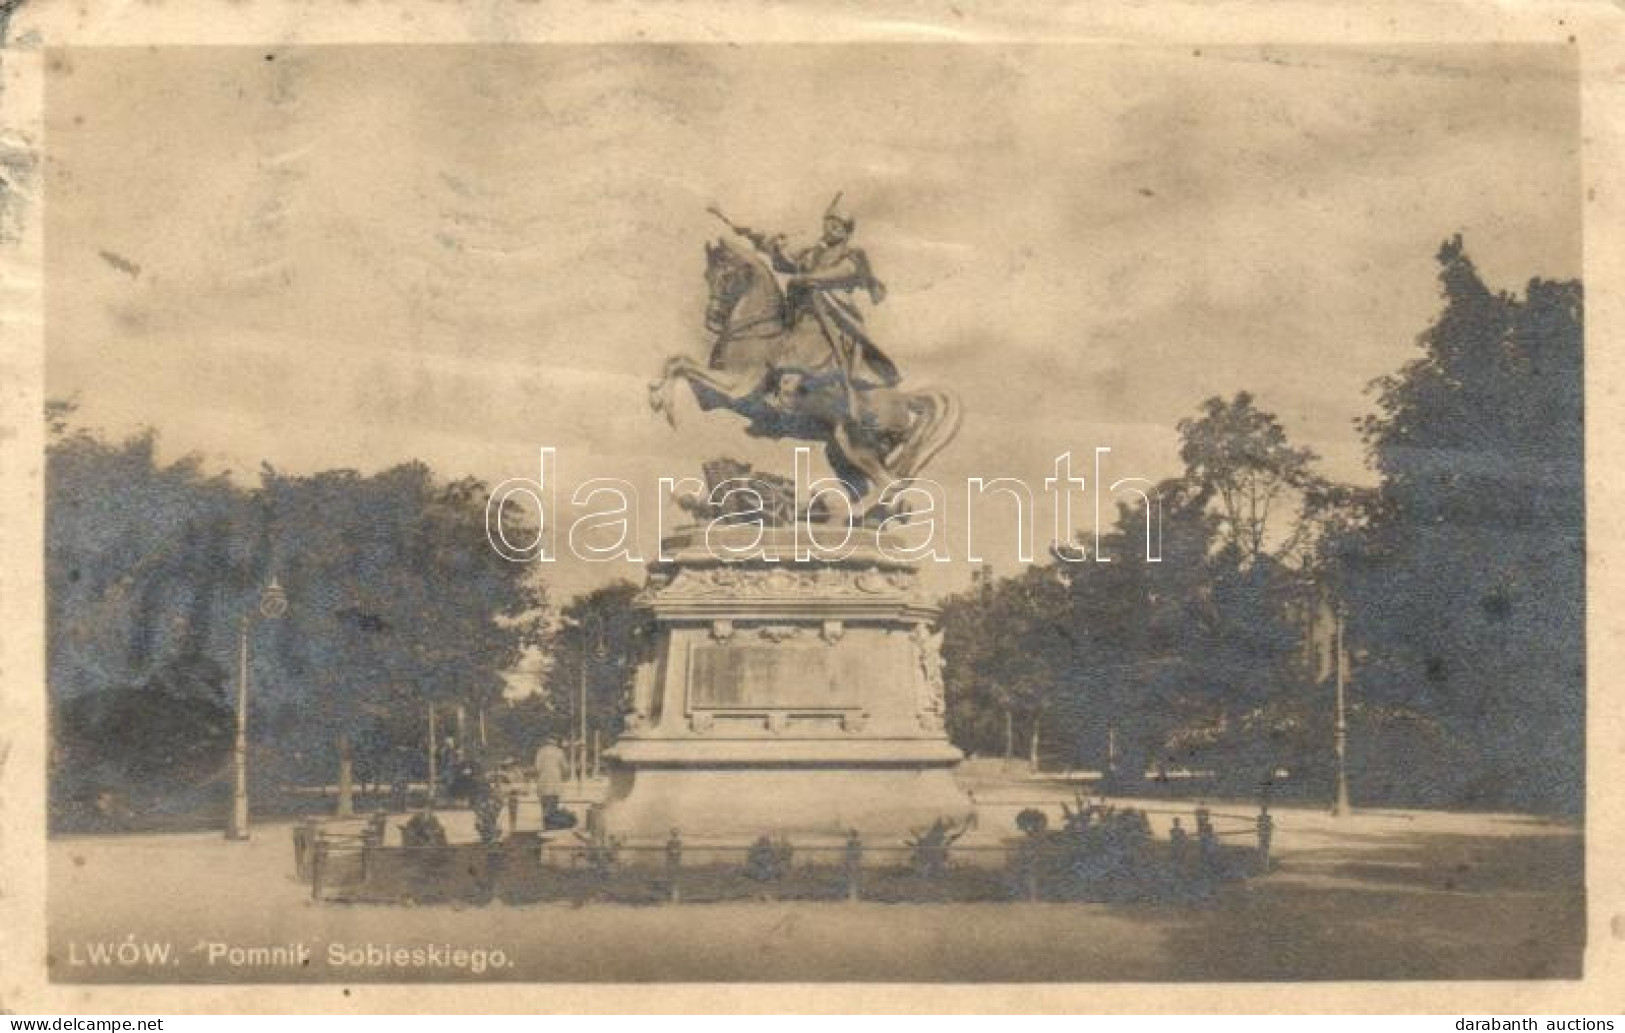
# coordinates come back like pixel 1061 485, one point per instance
pixel 781 373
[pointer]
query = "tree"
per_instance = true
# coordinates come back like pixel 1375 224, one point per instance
pixel 396 599
pixel 1223 639
pixel 1467 587
pixel 1239 456
pixel 1132 663
pixel 1002 658
pixel 144 564
pixel 1149 627
pixel 401 605
pixel 140 558
pixel 600 637
pixel 138 744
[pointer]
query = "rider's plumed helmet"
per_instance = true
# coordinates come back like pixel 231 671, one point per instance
pixel 833 214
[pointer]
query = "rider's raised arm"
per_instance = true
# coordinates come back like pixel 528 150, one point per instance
pixel 774 251
pixel 771 248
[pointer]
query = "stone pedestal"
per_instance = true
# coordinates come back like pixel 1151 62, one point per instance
pixel 783 697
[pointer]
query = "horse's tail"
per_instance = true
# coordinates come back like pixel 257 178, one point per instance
pixel 935 433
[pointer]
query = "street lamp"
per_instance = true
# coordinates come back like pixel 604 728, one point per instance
pixel 1341 731
pixel 1340 665
pixel 596 638
pixel 273 604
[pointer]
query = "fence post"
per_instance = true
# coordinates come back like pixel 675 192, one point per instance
pixel 1034 846
pixel 372 836
pixel 674 866
pixel 853 856
pixel 301 853
pixel 1266 832
pixel 313 832
pixel 318 861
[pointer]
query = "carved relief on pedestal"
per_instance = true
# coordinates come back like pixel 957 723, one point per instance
pixel 643 692
pixel 781 632
pixel 779 581
pixel 725 631
pixel 821 582
pixel 874 581
pixel 933 698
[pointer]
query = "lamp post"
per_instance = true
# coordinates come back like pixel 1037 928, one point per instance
pixel 1340 666
pixel 581 741
pixel 596 638
pixel 434 773
pixel 1340 735
pixel 273 604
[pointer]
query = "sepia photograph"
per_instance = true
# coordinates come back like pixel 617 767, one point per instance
pixel 641 511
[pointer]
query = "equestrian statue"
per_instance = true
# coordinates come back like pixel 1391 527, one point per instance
pixel 791 354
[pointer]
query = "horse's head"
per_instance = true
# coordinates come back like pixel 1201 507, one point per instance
pixel 729 277
pixel 732 278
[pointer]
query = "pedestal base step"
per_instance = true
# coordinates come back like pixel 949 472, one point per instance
pixel 741 802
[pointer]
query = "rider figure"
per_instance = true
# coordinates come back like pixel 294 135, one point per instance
pixel 822 280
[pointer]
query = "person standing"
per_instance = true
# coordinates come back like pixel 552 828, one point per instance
pixel 552 774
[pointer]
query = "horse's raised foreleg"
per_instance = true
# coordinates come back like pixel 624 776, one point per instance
pixel 681 367
pixel 660 390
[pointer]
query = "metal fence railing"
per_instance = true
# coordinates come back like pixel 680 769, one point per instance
pixel 1110 855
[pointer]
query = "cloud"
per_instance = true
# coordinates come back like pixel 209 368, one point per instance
pixel 366 255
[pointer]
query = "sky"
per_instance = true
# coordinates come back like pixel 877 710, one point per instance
pixel 356 256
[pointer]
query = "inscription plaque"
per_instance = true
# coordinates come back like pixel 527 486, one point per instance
pixel 773 677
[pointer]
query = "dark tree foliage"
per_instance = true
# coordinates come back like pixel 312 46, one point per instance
pixel 395 599
pixel 145 745
pixel 1239 460
pixel 1467 585
pixel 1127 664
pixel 599 639
pixel 997 675
pixel 143 562
pixel 144 566
pixel 397 602
pixel 1461 575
